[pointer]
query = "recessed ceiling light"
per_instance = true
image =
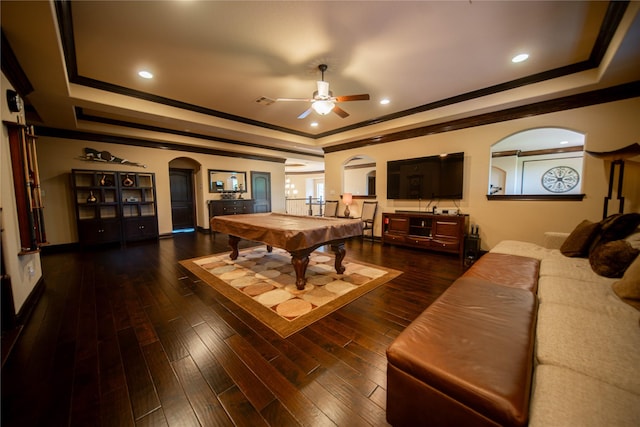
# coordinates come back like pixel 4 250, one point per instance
pixel 314 124
pixel 520 58
pixel 145 74
pixel 564 142
pixel 384 101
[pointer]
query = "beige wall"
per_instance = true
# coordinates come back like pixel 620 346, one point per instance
pixel 58 156
pixel 607 127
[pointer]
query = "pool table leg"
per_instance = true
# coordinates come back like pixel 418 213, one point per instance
pixel 233 242
pixel 338 249
pixel 300 261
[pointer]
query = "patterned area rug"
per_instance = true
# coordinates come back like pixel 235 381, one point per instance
pixel 263 284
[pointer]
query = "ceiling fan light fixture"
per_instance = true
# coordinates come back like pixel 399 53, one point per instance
pixel 323 89
pixel 323 107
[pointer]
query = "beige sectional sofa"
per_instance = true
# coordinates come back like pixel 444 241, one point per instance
pixel 587 345
pixel 530 335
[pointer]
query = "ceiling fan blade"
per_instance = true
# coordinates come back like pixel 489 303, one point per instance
pixel 339 111
pixel 362 97
pixel 306 113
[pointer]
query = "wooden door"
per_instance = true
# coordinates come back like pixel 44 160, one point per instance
pixel 261 191
pixel 182 204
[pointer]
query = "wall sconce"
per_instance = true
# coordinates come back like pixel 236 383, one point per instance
pixel 347 199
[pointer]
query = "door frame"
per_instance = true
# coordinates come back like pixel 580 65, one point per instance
pixel 255 174
pixel 194 218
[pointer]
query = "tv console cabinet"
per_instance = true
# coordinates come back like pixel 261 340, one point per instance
pixel 442 233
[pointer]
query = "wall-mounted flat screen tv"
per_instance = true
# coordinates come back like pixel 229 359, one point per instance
pixel 429 178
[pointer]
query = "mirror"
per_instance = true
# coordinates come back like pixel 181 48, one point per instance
pixel 227 181
pixel 359 176
pixel 543 161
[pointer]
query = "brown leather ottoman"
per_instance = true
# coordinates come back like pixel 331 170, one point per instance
pixel 507 270
pixel 466 360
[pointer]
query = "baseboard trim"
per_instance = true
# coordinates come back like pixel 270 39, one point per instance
pixel 9 338
pixel 24 314
pixel 56 249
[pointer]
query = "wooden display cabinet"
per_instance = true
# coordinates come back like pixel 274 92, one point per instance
pixel 114 206
pixel 139 211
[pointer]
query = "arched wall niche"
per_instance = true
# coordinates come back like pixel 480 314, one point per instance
pixel 359 176
pixel 541 163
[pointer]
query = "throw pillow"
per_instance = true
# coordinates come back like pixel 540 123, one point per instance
pixel 629 285
pixel 619 226
pixel 611 259
pixel 578 242
pixel 634 239
pixel 615 227
pixel 628 288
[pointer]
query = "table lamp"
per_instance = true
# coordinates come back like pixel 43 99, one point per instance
pixel 347 198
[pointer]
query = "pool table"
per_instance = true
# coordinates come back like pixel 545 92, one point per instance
pixel 299 235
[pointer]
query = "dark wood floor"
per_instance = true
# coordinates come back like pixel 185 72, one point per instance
pixel 126 337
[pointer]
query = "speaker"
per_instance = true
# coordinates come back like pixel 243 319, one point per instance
pixel 471 247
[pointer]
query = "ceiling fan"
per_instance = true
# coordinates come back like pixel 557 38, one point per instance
pixel 323 101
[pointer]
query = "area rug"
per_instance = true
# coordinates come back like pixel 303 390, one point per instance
pixel 263 284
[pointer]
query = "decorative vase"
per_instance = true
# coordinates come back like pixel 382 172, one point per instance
pixel 91 198
pixel 105 181
pixel 127 181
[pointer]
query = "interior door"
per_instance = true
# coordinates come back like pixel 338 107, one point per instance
pixel 182 200
pixel 261 191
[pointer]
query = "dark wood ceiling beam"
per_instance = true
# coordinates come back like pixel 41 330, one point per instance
pixel 138 142
pixel 82 116
pixel 13 71
pixel 546 151
pixel 601 96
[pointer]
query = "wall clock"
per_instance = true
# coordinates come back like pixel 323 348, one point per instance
pixel 560 179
